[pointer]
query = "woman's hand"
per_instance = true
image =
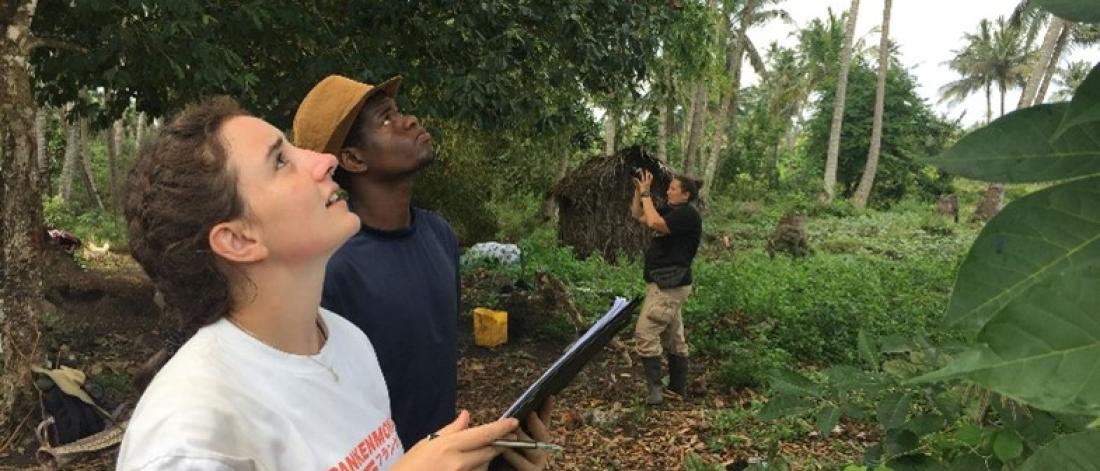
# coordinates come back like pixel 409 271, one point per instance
pixel 457 447
pixel 644 181
pixel 539 426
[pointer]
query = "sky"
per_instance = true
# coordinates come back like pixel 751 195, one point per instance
pixel 926 32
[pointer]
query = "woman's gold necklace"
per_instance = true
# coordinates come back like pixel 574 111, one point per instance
pixel 320 330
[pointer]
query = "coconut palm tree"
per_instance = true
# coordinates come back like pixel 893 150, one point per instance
pixel 863 192
pixel 995 55
pixel 748 13
pixel 1069 78
pixel 838 106
pixel 1009 58
pixel 974 65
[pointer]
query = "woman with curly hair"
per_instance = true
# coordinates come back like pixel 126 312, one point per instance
pixel 234 225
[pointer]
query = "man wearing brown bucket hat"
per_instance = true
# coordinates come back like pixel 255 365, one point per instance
pixel 397 278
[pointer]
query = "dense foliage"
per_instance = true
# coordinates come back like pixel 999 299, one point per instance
pixel 911 131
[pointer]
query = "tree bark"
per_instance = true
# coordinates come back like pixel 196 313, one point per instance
pixel 727 114
pixel 1046 53
pixel 698 122
pixel 139 131
pixel 1052 66
pixel 863 192
pixel 662 130
pixel 41 140
pixel 838 105
pixel 21 229
pixel 549 203
pixel 86 165
pixel 1004 89
pixel 610 129
pixel 989 104
pixel 114 147
pixel 72 158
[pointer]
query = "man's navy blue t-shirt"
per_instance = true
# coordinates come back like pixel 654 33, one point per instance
pixel 402 289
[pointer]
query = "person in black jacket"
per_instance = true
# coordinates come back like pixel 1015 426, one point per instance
pixel 668 279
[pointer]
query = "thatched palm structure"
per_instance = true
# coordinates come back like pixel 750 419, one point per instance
pixel 594 204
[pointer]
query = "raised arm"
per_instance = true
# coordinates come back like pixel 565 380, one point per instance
pixel 650 217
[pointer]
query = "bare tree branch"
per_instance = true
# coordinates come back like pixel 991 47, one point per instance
pixel 37 42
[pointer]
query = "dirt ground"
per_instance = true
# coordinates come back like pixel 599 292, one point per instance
pixel 599 420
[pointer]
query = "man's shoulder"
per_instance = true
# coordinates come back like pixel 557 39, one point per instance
pixel 431 217
pixel 435 222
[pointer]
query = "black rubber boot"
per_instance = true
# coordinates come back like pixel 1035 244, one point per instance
pixel 678 374
pixel 654 388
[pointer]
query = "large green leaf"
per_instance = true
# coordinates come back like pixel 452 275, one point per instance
pixel 793 383
pixel 827 419
pixel 1035 237
pixel 1085 11
pixel 1007 445
pixel 867 349
pixel 1043 348
pixel 784 406
pixel 1085 107
pixel 1018 148
pixel 1076 452
pixel 893 410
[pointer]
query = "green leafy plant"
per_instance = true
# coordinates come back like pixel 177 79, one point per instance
pixel 1028 287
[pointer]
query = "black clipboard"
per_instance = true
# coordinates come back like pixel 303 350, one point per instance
pixel 575 357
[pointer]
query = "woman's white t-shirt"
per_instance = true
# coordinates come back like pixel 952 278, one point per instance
pixel 227 401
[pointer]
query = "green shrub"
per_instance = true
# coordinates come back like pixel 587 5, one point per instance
pixel 91 226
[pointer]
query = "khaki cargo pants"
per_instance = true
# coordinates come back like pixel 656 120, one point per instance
pixel 660 323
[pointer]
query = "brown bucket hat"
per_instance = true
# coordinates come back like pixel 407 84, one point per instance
pixel 325 116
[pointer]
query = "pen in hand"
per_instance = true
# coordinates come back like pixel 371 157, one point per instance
pixel 525 444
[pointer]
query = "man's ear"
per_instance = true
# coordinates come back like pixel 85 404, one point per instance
pixel 352 160
pixel 236 242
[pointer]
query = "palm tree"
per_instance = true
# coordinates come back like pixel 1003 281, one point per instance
pixel 749 14
pixel 1025 16
pixel 1009 58
pixel 996 55
pixel 973 64
pixel 1073 36
pixel 1069 78
pixel 863 192
pixel 697 116
pixel 838 106
pixel 1062 37
pixel 785 93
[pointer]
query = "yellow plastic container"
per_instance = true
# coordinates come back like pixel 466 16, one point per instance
pixel 490 327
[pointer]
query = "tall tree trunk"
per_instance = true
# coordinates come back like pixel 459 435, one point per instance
pixel 838 105
pixel 72 158
pixel 727 111
pixel 863 192
pixel 114 148
pixel 989 103
pixel 87 171
pixel 685 125
pixel 22 234
pixel 773 167
pixel 1052 66
pixel 610 129
pixel 40 141
pixel 139 131
pixel 698 119
pixel 1046 53
pixel 662 130
pixel 1004 89
pixel 698 122
pixel 549 204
